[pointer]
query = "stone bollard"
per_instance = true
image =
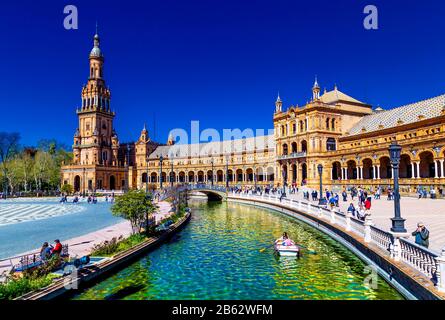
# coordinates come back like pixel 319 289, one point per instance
pixel 441 271
pixel 368 224
pixel 332 216
pixel 348 221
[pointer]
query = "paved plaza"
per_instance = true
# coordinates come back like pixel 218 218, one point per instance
pixel 430 211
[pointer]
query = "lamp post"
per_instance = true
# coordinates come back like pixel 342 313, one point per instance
pixel 212 162
pixel 171 172
pixel 398 223
pixel 322 200
pixel 254 177
pixel 161 159
pixel 227 173
pixel 146 180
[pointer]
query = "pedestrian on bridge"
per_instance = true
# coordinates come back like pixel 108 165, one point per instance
pixel 422 235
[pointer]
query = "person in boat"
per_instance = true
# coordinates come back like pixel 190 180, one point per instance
pixel 284 240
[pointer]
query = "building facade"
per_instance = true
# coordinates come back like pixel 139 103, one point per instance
pixel 345 135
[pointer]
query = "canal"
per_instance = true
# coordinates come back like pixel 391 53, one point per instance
pixel 218 256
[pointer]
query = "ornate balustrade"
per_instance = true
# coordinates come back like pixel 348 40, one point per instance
pixel 420 258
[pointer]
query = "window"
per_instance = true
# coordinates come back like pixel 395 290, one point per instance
pixel 331 144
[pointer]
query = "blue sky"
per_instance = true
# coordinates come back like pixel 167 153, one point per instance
pixel 221 62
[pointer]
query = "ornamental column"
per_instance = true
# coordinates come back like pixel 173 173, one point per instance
pixel 441 169
pixel 436 171
pixel 418 170
pixel 412 171
pixel 373 173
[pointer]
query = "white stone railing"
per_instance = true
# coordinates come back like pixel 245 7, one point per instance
pixel 419 258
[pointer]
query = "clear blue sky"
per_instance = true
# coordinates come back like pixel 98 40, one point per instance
pixel 220 61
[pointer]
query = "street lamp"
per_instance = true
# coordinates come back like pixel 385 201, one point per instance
pixel 398 223
pixel 254 177
pixel 227 173
pixel 322 200
pixel 212 162
pixel 171 173
pixel 146 180
pixel 161 159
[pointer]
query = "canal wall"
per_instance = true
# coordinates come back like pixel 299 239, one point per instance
pixel 408 281
pixel 68 285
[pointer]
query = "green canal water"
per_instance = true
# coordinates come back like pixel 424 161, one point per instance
pixel 217 256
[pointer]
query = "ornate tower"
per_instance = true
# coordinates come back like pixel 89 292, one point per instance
pixel 278 104
pixel 316 91
pixel 95 141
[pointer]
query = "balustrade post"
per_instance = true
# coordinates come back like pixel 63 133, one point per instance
pixel 368 224
pixel 396 249
pixel 320 212
pixel 440 271
pixel 332 216
pixel 299 205
pixel 348 221
pixel 308 207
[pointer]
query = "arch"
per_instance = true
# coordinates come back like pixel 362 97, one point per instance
pixel 385 168
pixel 336 170
pixel 112 182
pixel 304 146
pixel 405 168
pixel 239 175
pixel 219 176
pixel 351 168
pixel 181 176
pixel 328 121
pixel 154 177
pixel 172 176
pixel 294 173
pixel 249 175
pixel 285 149
pixel 191 176
pixel 164 177
pixel 333 124
pixel 303 173
pixel 427 168
pixel 284 173
pixel 294 147
pixel 144 177
pixel 200 176
pixel 76 184
pixel 230 175
pixel 260 174
pixel 368 169
pixel 209 176
pixel 270 174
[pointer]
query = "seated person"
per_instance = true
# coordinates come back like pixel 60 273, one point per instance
pixel 45 251
pixel 57 250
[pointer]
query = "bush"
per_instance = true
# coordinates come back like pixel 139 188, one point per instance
pixel 67 188
pixel 17 287
pixel 116 245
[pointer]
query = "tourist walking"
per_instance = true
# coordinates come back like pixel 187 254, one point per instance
pixel 422 235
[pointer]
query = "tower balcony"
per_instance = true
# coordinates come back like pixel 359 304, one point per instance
pixel 293 155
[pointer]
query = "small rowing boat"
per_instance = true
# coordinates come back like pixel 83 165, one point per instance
pixel 287 250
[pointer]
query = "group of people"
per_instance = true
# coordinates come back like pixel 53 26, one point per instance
pixel 91 199
pixel 48 251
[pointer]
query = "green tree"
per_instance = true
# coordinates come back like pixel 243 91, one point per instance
pixel 67 188
pixel 9 147
pixel 134 206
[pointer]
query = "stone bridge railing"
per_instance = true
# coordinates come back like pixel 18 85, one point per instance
pixel 421 259
pixel 207 187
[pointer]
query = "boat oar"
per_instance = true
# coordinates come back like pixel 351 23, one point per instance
pixel 265 248
pixel 310 251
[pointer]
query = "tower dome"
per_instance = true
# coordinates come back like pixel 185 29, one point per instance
pixel 96 52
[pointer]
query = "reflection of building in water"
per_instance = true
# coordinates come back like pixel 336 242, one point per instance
pixel 346 135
